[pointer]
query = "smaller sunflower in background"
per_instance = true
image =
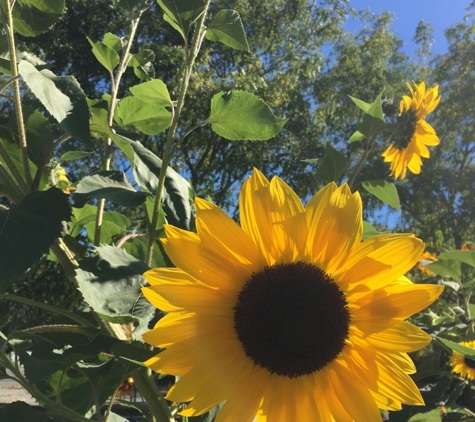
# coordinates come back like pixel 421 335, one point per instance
pixel 426 258
pixel 464 365
pixel 412 133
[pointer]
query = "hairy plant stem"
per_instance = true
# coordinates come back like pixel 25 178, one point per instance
pixel 368 147
pixel 115 83
pixel 10 188
pixel 9 82
pixel 191 54
pixel 11 166
pixel 149 390
pixel 16 95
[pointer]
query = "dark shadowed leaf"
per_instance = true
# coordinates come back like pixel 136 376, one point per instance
pixel 111 284
pixel 39 135
pixel 34 17
pixel 111 185
pixel 372 123
pixel 177 196
pixel 29 228
pixel 207 417
pixel 383 190
pixel 62 96
pixel 182 14
pixel 333 165
pixel 227 28
pixel 239 115
pixel 22 412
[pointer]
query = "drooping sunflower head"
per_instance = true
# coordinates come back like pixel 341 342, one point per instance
pixel 412 134
pixel 464 365
pixel 290 316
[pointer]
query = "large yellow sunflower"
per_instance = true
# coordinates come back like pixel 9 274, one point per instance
pixel 412 133
pixel 289 317
pixel 463 365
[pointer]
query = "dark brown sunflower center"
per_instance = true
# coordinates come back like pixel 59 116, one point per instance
pixel 470 362
pixel 406 125
pixel 292 319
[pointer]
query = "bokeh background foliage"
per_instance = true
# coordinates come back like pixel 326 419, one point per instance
pixel 101 83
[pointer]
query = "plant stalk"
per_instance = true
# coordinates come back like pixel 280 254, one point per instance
pixel 191 54
pixel 16 95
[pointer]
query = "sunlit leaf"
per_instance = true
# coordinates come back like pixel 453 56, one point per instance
pixel 372 123
pixel 447 267
pixel 62 96
pixel 154 92
pixel 239 115
pixel 383 190
pixel 146 117
pixel 467 257
pixel 463 350
pixel 227 28
pixel 113 41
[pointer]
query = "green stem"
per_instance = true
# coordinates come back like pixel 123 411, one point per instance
pixel 11 166
pixel 359 166
pixel 9 82
pixel 113 103
pixel 10 188
pixel 63 328
pixel 50 308
pixel 191 54
pixel 149 390
pixel 16 94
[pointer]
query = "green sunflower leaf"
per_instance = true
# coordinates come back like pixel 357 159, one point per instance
pixel 146 117
pixel 34 17
pixel 104 54
pixel 383 190
pixel 239 115
pixel 20 411
pixel 467 257
pixel 333 165
pixel 463 350
pixel 111 185
pixel 153 92
pixel 446 267
pixel 62 96
pixel 227 28
pixel 111 284
pixel 29 228
pixel 113 41
pixel 182 14
pixel 372 123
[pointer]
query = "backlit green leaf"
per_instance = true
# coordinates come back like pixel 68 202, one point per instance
pixel 104 54
pixel 239 115
pixel 383 190
pixel 463 350
pixel 154 92
pixel 372 123
pixel 146 117
pixel 333 165
pixel 113 41
pixel 227 28
pixel 467 257
pixel 446 267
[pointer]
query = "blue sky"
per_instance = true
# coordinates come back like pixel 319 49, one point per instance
pixel 441 14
